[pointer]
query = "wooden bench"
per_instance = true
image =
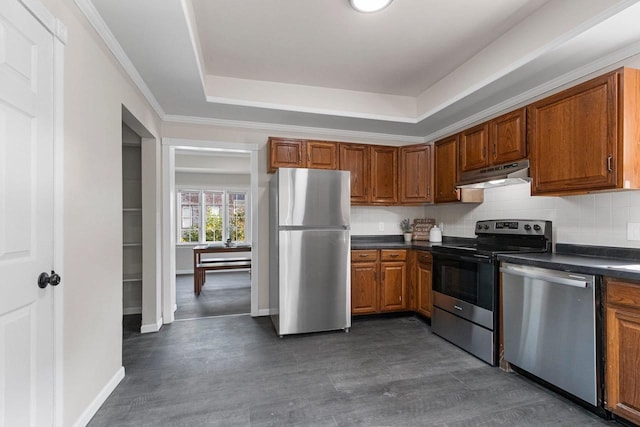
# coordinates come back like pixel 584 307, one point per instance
pixel 215 264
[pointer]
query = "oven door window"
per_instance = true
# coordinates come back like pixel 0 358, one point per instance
pixel 472 282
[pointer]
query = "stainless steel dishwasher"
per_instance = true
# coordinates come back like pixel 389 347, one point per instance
pixel 549 320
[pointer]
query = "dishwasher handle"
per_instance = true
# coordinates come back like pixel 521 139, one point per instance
pixel 551 276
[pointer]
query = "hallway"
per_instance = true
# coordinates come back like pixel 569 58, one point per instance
pixel 225 293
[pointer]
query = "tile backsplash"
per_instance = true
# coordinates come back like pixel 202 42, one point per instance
pixel 592 219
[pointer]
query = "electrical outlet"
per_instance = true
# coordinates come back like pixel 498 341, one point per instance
pixel 633 231
pixel 381 226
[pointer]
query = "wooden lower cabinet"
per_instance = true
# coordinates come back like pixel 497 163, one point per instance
pixel 364 287
pixel 364 281
pixel 424 303
pixel 378 281
pixel 393 286
pixel 622 331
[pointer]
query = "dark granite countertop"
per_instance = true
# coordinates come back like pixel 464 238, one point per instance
pixel 396 242
pixel 598 260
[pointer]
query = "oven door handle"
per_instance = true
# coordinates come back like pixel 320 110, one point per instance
pixel 473 258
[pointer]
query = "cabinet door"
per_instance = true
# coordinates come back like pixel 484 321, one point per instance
pixel 623 349
pixel 446 172
pixel 474 145
pixel 415 174
pixel 507 137
pixel 286 153
pixel 423 284
pixel 393 286
pixel 322 155
pixel 384 175
pixel 573 138
pixel 364 287
pixel 355 158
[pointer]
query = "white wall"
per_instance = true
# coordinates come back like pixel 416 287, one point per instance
pixel 592 219
pixel 95 88
pixel 367 220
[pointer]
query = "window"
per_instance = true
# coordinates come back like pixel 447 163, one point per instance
pixel 225 216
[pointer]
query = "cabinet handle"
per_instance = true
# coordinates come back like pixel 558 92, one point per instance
pixel 309 156
pixel 394 255
pixel 300 156
pixel 383 276
pixel 484 152
pixel 494 150
pixel 610 163
pixel 363 255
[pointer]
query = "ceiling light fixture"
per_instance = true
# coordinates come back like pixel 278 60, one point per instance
pixel 368 6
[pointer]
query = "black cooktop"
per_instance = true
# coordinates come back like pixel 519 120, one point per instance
pixel 503 236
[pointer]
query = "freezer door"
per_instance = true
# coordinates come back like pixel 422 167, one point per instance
pixel 313 198
pixel 315 282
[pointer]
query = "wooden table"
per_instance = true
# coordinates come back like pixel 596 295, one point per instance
pixel 201 266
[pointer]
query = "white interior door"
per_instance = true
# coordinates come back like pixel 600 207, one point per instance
pixel 26 218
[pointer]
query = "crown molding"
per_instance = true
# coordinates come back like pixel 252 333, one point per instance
pixel 599 65
pixel 273 127
pixel 92 15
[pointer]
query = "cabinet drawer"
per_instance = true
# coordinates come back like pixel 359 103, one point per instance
pixel 364 255
pixel 425 258
pixel 623 293
pixel 393 254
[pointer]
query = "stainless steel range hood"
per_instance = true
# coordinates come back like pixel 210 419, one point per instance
pixel 496 176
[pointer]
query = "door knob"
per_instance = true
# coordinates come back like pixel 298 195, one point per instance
pixel 44 279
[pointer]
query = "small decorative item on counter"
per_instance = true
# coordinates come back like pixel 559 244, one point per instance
pixel 421 228
pixel 435 234
pixel 406 227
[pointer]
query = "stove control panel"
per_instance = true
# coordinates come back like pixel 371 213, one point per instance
pixel 528 227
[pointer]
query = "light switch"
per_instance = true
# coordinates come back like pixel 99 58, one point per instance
pixel 381 226
pixel 633 231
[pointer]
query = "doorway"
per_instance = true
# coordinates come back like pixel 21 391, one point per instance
pixel 213 204
pixel 185 163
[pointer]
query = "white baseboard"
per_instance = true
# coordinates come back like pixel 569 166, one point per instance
pixel 132 310
pixel 151 327
pixel 264 312
pixel 100 399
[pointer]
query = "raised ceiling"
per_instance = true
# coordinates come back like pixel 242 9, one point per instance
pixel 417 69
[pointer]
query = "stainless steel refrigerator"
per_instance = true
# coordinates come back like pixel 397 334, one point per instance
pixel 309 253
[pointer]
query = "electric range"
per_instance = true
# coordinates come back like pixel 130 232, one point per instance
pixel 466 277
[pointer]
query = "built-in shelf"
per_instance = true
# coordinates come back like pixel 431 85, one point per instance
pixel 128 278
pixel 131 221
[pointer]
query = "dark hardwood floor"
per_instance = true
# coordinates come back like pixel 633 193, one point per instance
pixel 224 293
pixel 235 371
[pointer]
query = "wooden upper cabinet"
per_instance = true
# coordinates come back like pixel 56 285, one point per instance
pixel 507 137
pixel 322 155
pixel 300 153
pixel 384 174
pixel 474 147
pixel 586 138
pixel 498 141
pixel 286 153
pixel 446 169
pixel 355 158
pixel 416 174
